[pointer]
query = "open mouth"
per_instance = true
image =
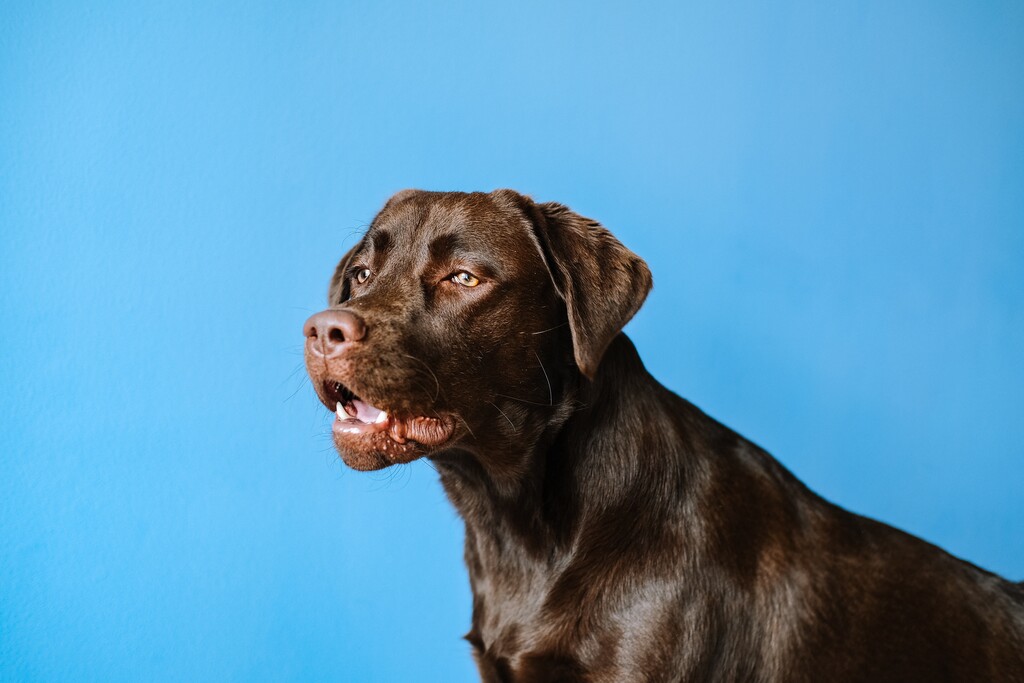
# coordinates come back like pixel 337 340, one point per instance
pixel 355 417
pixel 350 408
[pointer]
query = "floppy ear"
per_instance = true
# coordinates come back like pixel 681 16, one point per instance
pixel 602 282
pixel 338 291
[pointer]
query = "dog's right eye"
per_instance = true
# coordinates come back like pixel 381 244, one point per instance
pixel 362 275
pixel 465 279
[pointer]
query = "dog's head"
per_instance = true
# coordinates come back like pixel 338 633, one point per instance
pixel 459 320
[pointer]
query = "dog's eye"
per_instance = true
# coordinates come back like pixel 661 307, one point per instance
pixel 465 279
pixel 362 275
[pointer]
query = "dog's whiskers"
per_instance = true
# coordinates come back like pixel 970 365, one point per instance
pixel 514 428
pixel 421 387
pixel 522 400
pixel 303 383
pixel 437 384
pixel 387 478
pixel 300 366
pixel 551 395
pixel 468 428
pixel 551 329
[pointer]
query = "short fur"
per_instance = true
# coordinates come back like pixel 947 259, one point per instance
pixel 614 532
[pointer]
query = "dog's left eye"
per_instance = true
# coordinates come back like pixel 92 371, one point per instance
pixel 465 279
pixel 362 275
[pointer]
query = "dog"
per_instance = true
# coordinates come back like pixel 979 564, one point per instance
pixel 614 532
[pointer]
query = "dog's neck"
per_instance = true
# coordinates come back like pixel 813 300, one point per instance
pixel 533 496
pixel 622 467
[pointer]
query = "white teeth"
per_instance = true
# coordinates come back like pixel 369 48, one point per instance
pixel 340 412
pixel 380 418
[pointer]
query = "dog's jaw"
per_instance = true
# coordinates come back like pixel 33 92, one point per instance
pixel 369 437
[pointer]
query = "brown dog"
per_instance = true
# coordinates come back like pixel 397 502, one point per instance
pixel 613 531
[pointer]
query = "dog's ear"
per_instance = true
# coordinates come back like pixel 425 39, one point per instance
pixel 602 282
pixel 338 291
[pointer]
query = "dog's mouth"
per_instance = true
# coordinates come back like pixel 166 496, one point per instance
pixel 350 408
pixel 370 437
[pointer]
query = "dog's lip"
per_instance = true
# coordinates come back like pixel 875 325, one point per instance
pixel 420 430
pixel 351 425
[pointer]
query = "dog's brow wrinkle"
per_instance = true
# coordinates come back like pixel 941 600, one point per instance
pixel 445 245
pixel 381 241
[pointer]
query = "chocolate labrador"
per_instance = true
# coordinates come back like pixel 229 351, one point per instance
pixel 614 532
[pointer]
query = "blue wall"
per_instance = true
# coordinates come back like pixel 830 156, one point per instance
pixel 829 196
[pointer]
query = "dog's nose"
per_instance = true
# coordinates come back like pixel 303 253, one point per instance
pixel 328 330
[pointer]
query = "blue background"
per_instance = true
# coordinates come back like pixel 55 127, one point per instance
pixel 830 196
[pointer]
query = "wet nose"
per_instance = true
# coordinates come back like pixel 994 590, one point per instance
pixel 328 330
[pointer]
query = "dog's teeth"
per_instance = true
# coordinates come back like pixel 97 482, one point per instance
pixel 340 412
pixel 380 418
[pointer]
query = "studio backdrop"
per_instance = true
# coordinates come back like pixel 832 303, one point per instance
pixel 829 196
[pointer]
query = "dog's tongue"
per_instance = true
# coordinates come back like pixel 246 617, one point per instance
pixel 364 412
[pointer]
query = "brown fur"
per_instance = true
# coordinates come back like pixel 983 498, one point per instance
pixel 614 532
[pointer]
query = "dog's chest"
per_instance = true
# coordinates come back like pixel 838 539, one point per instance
pixel 525 629
pixel 511 597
